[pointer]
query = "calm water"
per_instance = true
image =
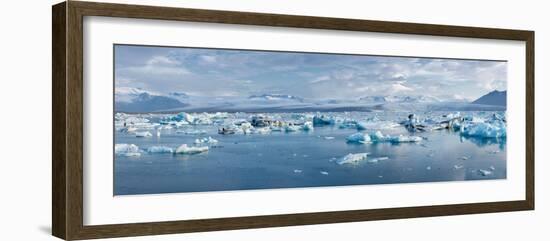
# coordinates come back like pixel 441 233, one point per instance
pixel 302 159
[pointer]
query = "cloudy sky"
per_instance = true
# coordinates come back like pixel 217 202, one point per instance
pixel 216 72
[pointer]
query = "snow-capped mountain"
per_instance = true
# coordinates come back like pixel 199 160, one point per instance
pixel 497 98
pixel 275 97
pixel 138 100
pixel 399 99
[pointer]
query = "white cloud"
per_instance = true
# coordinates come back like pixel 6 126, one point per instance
pixel 208 59
pixel 162 60
pixel 320 79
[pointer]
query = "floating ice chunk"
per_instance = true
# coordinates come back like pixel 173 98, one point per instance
pixel 262 130
pixel 276 128
pixel 320 120
pixel 492 168
pixel 128 129
pixel 159 149
pixel 158 133
pixel 292 128
pixel 127 150
pixel 359 138
pixel 453 115
pixel 486 130
pixel 353 158
pixel 184 149
pixel 328 137
pixel 191 132
pixel 428 168
pixel 402 138
pixel 323 173
pixel 297 171
pixel 361 125
pixel 485 172
pixel 376 160
pixel 379 137
pixel 206 140
pixel 308 126
pixel 144 134
pixel 458 166
pixel 464 158
pixel 375 125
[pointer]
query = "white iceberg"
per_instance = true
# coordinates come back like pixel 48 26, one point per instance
pixel 206 140
pixel 365 138
pixel 144 134
pixel 359 137
pixel 262 130
pixel 376 125
pixel 292 128
pixel 184 149
pixel 379 137
pixel 485 172
pixel 160 149
pixel 127 150
pixel 323 172
pixel 486 130
pixel 308 126
pixel 353 158
pixel 376 160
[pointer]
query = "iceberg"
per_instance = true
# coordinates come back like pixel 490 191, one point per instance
pixel 184 149
pixel 308 126
pixel 292 128
pixel 323 173
pixel 206 140
pixel 365 138
pixel 159 149
pixel 485 172
pixel 127 150
pixel 376 160
pixel 359 137
pixel 353 158
pixel 262 130
pixel 485 130
pixel 320 120
pixel 402 138
pixel 144 134
pixel 374 125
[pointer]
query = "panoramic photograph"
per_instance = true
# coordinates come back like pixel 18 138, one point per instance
pixel 202 119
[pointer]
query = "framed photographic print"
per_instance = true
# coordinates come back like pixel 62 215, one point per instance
pixel 171 120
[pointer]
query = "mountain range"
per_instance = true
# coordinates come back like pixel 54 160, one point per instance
pixel 138 100
pixel 497 98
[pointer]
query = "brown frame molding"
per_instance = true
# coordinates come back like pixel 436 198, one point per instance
pixel 67 119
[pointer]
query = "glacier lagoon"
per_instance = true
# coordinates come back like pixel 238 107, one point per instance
pixel 198 152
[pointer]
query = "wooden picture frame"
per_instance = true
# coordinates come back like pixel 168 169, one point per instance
pixel 67 123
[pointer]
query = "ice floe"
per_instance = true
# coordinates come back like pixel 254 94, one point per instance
pixel 378 159
pixel 353 158
pixel 184 149
pixel 207 140
pixel 144 134
pixel 160 149
pixel 308 126
pixel 359 137
pixel 487 130
pixel 484 172
pixel 377 136
pixel 127 150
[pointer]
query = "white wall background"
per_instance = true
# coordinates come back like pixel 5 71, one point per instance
pixel 25 137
